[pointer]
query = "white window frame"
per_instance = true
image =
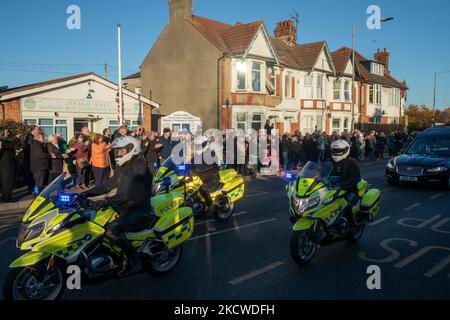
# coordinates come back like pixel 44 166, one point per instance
pixel 240 72
pixel 244 122
pixel 319 87
pixel 308 85
pixel 255 72
pixel 337 90
pixel 347 90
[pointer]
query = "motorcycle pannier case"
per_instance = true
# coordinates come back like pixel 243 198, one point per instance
pixel 175 226
pixel 370 204
pixel 234 189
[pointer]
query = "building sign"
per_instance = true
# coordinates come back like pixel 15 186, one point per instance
pixel 181 121
pixel 75 106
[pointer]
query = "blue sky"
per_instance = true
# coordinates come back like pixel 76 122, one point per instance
pixel 37 46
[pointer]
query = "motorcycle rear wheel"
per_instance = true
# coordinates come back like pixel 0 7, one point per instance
pixel 356 233
pixel 163 265
pixel 224 213
pixel 21 284
pixel 302 247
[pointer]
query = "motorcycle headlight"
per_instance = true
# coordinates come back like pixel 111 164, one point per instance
pixel 313 202
pixel 27 233
pixel 55 228
pixel 436 170
pixel 299 204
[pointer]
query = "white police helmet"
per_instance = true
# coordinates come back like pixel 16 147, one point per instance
pixel 339 149
pixel 132 145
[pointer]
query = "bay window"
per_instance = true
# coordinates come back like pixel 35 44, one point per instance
pixel 256 76
pixel 308 85
pixel 241 76
pixel 337 90
pixel 319 87
pixel 347 90
pixel 375 94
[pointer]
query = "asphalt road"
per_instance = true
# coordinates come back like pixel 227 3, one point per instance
pixel 248 256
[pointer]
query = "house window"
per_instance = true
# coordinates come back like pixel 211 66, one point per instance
pixel 30 122
pixel 337 90
pixel 51 127
pixel 347 91
pixel 241 79
pixel 319 87
pixel 346 125
pixel 241 121
pixel 288 85
pixel 375 120
pixel 256 76
pixel 272 78
pixel 308 84
pixel 336 125
pixel 113 125
pixel 375 94
pixel 257 121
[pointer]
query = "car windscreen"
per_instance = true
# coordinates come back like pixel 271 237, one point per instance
pixel 438 145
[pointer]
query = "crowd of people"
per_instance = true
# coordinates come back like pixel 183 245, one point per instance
pixel 89 159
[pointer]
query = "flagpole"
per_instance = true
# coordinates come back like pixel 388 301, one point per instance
pixel 120 76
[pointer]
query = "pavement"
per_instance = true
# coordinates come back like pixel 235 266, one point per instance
pixel 248 256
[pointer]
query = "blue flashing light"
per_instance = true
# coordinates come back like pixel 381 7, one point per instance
pixel 36 190
pixel 65 198
pixel 289 175
pixel 181 168
pixel 155 165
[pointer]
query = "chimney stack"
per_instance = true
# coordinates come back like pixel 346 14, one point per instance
pixel 382 57
pixel 180 10
pixel 286 31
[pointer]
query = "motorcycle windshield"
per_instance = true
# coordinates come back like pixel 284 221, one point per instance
pixel 59 185
pixel 167 168
pixel 319 171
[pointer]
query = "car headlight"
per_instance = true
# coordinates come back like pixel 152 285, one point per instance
pixel 436 170
pixel 390 165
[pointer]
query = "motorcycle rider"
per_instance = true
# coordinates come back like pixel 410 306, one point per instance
pixel 133 182
pixel 347 171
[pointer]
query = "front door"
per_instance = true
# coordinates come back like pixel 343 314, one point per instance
pixel 79 124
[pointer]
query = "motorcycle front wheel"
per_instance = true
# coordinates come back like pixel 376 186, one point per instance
pixel 23 284
pixel 302 247
pixel 163 263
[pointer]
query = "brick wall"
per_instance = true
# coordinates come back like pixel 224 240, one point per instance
pixel 11 110
pixel 147 117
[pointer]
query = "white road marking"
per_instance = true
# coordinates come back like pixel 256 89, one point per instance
pixel 260 193
pixel 212 220
pixel 436 196
pixel 378 221
pixel 207 235
pixel 415 205
pixel 256 273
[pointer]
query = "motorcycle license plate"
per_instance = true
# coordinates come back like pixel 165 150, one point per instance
pixel 409 179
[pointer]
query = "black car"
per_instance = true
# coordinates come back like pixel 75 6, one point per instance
pixel 426 160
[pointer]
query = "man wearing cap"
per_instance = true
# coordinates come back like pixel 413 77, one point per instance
pixel 167 145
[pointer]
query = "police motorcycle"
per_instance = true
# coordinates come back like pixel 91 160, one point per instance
pixel 59 230
pixel 231 188
pixel 317 206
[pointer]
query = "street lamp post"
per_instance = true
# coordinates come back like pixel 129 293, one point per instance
pixel 353 68
pixel 434 95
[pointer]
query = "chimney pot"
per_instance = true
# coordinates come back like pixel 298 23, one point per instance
pixel 286 31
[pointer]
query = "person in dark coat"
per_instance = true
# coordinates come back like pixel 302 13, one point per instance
pixel 26 157
pixel 56 159
pixel 166 141
pixel 39 161
pixel 150 151
pixel 7 166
